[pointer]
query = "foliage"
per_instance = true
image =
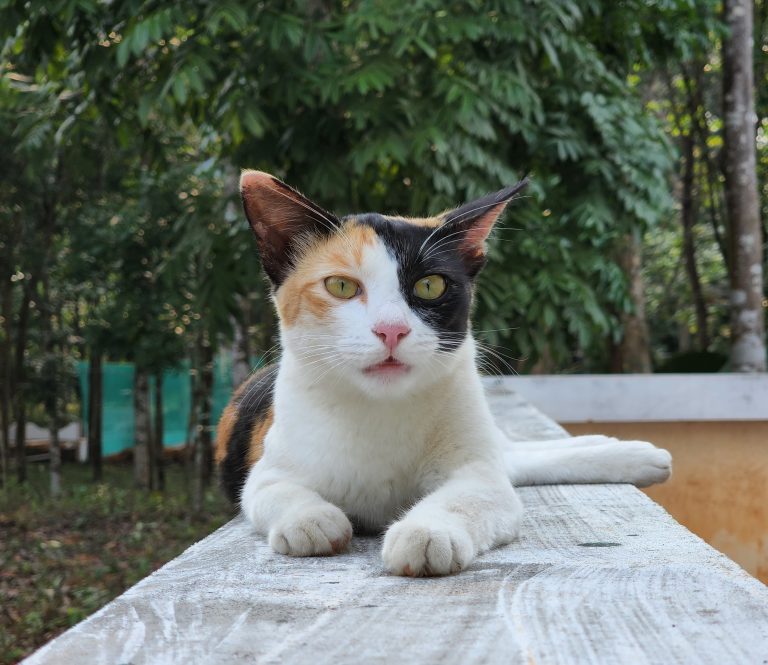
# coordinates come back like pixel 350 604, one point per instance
pixel 122 129
pixel 416 107
pixel 56 568
pixel 687 98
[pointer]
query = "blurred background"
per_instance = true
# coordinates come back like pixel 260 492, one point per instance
pixel 131 298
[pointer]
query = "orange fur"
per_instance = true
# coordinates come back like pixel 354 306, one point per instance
pixel 226 423
pixel 429 222
pixel 303 291
pixel 224 431
pixel 256 444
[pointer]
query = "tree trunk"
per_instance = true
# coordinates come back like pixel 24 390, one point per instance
pixel 142 429
pixel 157 438
pixel 95 406
pixel 6 390
pixel 206 407
pixel 52 372
pixel 20 379
pixel 193 459
pixel 544 364
pixel 198 453
pixel 241 345
pixel 688 218
pixel 634 350
pixel 748 352
pixel 714 189
pixel 200 420
pixel 55 444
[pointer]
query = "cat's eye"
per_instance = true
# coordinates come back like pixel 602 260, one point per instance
pixel 342 287
pixel 430 287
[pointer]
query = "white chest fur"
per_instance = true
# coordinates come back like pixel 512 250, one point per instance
pixel 372 458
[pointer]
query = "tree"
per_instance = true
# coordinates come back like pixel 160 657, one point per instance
pixel 634 350
pixel 152 109
pixel 748 352
pixel 95 412
pixel 417 108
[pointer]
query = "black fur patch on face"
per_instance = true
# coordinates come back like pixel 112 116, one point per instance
pixel 421 251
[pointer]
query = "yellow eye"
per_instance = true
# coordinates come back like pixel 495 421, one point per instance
pixel 342 287
pixel 430 287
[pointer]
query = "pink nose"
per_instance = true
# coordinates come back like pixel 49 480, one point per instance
pixel 391 333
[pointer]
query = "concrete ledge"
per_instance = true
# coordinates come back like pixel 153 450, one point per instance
pixel 617 398
pixel 600 574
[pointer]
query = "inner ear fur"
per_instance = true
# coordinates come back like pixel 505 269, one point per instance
pixel 471 223
pixel 280 217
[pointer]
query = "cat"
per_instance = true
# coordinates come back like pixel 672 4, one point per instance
pixel 375 414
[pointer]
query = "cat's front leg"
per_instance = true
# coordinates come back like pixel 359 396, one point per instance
pixel 296 520
pixel 474 510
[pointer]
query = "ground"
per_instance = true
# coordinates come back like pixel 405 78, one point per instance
pixel 62 560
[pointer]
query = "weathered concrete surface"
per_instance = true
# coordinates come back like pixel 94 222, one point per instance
pixel 601 574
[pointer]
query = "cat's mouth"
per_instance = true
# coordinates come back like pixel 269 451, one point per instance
pixel 390 366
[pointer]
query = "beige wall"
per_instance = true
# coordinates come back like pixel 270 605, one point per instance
pixel 719 485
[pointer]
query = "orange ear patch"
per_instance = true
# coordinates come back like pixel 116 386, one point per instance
pixel 303 291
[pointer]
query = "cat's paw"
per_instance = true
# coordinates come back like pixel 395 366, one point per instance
pixel 313 531
pixel 415 549
pixel 645 464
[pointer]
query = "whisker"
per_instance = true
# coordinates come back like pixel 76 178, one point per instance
pixel 322 218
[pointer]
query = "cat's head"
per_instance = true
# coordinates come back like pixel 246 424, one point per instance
pixel 378 302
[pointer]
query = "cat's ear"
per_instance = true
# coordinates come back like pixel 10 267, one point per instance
pixel 469 225
pixel 280 216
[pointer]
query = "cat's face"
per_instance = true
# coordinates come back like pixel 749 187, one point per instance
pixel 376 302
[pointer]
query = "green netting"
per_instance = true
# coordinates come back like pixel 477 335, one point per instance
pixel 118 402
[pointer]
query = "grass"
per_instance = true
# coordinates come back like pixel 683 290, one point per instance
pixel 61 560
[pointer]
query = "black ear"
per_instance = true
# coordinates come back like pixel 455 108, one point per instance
pixel 467 227
pixel 280 216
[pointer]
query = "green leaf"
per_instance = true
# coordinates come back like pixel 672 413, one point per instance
pixel 180 89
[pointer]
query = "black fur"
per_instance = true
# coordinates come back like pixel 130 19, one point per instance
pixel 421 251
pixel 448 315
pixel 474 209
pixel 252 405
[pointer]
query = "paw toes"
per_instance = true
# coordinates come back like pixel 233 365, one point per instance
pixel 417 551
pixel 315 532
pixel 339 545
pixel 279 543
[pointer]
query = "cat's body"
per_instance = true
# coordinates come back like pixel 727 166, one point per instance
pixel 378 457
pixel 376 413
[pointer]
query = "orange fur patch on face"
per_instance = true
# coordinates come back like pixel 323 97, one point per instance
pixel 259 432
pixel 303 291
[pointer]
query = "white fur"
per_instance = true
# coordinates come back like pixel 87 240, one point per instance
pixel 419 453
pixel 587 459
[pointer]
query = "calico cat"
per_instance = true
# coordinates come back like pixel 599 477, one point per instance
pixel 375 413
